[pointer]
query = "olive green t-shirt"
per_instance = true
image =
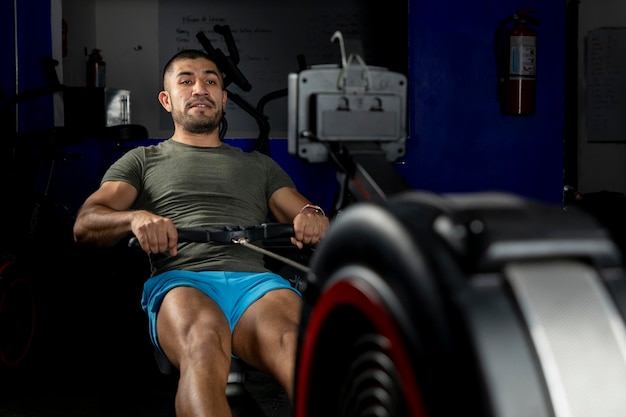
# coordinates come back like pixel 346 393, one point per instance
pixel 202 187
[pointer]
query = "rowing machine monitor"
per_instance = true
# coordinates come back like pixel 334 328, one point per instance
pixel 355 116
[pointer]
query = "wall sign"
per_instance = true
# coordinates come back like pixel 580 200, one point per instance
pixel 269 39
pixel 606 85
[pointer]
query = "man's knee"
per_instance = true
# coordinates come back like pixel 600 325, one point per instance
pixel 207 344
pixel 289 341
pixel 202 347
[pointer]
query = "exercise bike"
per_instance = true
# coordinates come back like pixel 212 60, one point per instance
pixel 17 314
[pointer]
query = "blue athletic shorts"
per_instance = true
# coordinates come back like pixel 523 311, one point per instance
pixel 234 292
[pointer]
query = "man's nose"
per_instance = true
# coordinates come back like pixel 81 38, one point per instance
pixel 200 88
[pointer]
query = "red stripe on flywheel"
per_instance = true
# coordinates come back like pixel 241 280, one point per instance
pixel 344 293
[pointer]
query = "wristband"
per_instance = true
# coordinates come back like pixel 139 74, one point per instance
pixel 313 207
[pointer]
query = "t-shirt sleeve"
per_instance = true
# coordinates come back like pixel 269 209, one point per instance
pixel 277 176
pixel 128 168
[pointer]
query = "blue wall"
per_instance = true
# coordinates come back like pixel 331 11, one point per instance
pixel 459 141
pixel 7 42
pixel 33 48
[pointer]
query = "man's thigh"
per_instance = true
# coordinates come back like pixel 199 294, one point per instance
pixel 266 322
pixel 185 310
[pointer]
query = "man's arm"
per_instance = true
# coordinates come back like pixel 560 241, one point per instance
pixel 105 218
pixel 289 206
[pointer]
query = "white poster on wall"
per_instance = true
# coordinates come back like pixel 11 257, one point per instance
pixel 271 41
pixel 606 85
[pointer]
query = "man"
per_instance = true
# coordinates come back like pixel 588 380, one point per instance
pixel 205 302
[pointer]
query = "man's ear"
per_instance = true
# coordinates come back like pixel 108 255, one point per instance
pixel 164 99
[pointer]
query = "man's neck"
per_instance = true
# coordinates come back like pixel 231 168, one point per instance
pixel 211 140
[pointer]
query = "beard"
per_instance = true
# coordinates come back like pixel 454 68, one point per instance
pixel 202 123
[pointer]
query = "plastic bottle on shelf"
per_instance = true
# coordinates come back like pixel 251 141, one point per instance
pixel 96 69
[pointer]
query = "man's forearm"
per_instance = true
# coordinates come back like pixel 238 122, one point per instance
pixel 102 226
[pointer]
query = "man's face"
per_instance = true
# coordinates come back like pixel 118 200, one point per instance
pixel 194 95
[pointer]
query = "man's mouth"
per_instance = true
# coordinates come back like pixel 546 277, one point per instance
pixel 201 104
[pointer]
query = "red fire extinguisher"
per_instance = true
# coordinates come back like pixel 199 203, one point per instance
pixel 516 57
pixel 96 69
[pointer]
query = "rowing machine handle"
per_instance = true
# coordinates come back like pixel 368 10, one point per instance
pixel 229 234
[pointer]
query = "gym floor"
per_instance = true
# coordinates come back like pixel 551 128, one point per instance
pixel 153 396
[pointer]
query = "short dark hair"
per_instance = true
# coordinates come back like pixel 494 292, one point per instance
pixel 188 54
